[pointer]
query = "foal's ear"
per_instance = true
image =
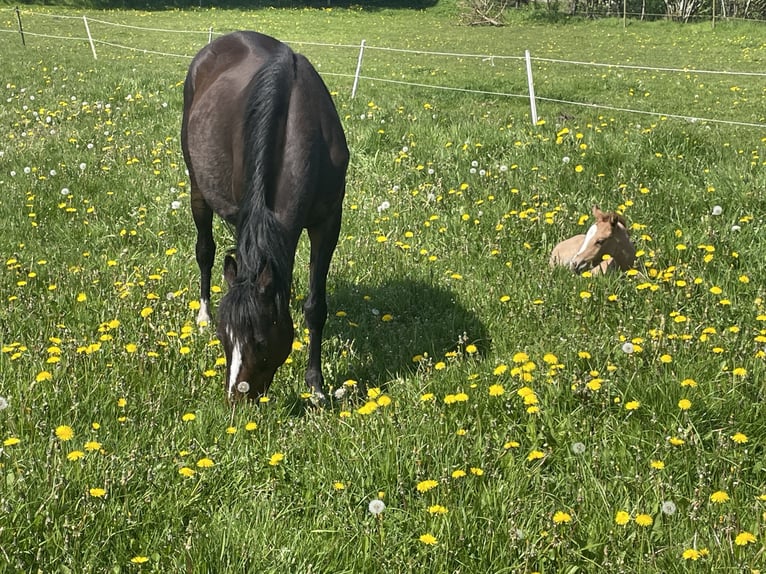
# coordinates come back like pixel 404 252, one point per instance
pixel 597 213
pixel 229 269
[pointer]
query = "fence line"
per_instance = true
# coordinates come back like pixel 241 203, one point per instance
pixel 357 76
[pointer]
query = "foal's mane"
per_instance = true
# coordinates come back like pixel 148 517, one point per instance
pixel 261 241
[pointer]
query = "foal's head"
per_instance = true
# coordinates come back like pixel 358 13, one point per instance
pixel 605 237
pixel 256 330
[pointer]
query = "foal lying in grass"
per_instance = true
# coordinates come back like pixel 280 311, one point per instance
pixel 605 246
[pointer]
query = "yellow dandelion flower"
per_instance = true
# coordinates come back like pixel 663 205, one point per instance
pixel 632 405
pixel 744 538
pixel 186 471
pixel 471 349
pixel 43 376
pixel 739 372
pixel 684 404
pixel 384 400
pixel 367 408
pixel 691 554
pixel 496 390
pixel 64 433
pixel 476 471
pixel 139 559
pixel 459 473
pixel 11 441
pixel 739 438
pixel 535 455
pixel 188 417
pixel 428 539
pixel 276 458
pixel 205 463
pixel 426 485
pixel 97 492
pixel 688 383
pixel 511 444
pixel 437 509
pixel 719 497
pixel 657 464
pixel 594 384
pixel 520 357
pixel 622 518
pixel 500 370
pixel 338 485
pixel 644 520
pixel 425 397
pixel 675 441
pixel 75 455
pixel 561 517
pixel 92 445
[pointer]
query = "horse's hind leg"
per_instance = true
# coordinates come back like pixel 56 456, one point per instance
pixel 205 252
pixel 323 238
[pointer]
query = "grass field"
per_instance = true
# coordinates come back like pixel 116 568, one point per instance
pixel 493 414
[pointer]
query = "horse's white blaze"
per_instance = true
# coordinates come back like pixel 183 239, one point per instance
pixel 235 365
pixel 203 316
pixel 588 238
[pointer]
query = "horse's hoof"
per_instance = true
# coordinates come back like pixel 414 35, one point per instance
pixel 318 399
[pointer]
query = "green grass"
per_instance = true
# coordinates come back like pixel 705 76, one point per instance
pixel 434 302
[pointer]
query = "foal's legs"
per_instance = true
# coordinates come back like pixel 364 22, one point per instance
pixel 323 238
pixel 205 252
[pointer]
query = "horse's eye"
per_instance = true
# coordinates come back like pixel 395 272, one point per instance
pixel 599 241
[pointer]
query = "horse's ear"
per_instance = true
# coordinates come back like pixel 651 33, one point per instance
pixel 229 269
pixel 597 213
pixel 265 282
pixel 617 220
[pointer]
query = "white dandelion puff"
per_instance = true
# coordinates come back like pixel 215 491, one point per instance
pixel 669 507
pixel 578 448
pixel 376 506
pixel 717 210
pixel 628 348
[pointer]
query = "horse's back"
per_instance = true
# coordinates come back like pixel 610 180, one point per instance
pixel 563 253
pixel 218 94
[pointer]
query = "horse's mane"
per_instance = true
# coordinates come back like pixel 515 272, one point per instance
pixel 260 236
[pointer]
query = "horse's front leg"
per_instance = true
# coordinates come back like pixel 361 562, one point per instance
pixel 205 253
pixel 323 238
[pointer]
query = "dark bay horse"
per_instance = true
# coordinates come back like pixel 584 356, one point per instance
pixel 266 151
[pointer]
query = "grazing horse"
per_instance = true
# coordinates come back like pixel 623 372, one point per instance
pixel 586 252
pixel 266 151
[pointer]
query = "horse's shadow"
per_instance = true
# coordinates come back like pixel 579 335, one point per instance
pixel 379 330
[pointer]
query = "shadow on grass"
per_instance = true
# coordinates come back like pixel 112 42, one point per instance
pixel 386 325
pixel 382 327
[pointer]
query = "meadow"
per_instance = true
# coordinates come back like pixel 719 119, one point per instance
pixel 490 414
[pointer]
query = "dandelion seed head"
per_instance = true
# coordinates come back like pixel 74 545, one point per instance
pixel 717 210
pixel 628 348
pixel 578 448
pixel 376 506
pixel 243 387
pixel 668 507
pixel 3 403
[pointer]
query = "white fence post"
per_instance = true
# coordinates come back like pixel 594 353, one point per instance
pixel 358 69
pixel 210 35
pixel 532 103
pixel 90 38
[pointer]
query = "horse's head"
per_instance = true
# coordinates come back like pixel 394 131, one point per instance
pixel 256 330
pixel 604 237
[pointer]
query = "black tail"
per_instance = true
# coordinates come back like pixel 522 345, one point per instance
pixel 260 237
